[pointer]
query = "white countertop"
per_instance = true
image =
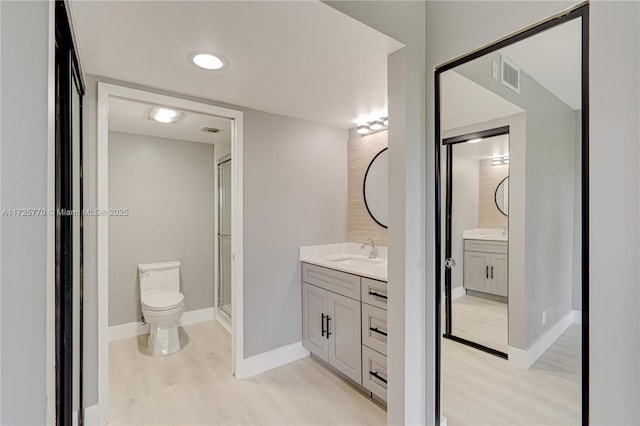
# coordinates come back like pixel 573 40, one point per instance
pixel 488 234
pixel 347 257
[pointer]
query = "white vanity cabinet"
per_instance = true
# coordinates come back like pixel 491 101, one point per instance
pixel 331 321
pixel 486 266
pixel 344 323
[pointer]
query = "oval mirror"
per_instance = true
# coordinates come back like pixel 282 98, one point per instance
pixel 375 188
pixel 502 196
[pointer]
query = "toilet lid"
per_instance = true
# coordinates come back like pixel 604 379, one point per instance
pixel 163 300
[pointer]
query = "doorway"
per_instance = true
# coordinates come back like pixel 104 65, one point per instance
pixel 110 91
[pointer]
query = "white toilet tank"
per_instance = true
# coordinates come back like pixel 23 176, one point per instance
pixel 159 277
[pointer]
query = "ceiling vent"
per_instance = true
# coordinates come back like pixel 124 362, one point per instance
pixel 207 129
pixel 510 75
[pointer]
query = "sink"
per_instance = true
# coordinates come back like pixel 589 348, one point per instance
pixel 356 261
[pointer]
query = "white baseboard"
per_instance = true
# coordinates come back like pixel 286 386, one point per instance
pixel 457 292
pixel 270 360
pixel 133 329
pixel 92 416
pixel 526 358
pixel 577 316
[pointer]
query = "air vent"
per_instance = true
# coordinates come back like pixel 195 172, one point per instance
pixel 208 129
pixel 510 75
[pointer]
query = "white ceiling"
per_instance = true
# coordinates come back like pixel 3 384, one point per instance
pixel 466 102
pixel 302 59
pixel 553 58
pixel 488 148
pixel 129 116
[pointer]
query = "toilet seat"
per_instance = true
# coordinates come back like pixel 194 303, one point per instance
pixel 162 301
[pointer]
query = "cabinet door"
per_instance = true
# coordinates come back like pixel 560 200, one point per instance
pixel 344 344
pixel 476 271
pixel 314 323
pixel 499 274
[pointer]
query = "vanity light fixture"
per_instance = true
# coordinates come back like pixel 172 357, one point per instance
pixel 474 140
pixel 376 124
pixel 363 128
pixel 165 115
pixel 372 126
pixel 500 160
pixel 207 61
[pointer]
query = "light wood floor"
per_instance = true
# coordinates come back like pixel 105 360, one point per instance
pixel 481 320
pixel 195 386
pixel 482 389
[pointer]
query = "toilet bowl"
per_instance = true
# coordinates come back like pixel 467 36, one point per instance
pixel 162 305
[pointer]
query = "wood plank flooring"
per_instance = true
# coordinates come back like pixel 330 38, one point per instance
pixel 195 386
pixel 481 320
pixel 482 389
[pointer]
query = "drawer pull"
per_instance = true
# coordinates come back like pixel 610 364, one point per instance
pixel 374 294
pixel 377 376
pixel 375 330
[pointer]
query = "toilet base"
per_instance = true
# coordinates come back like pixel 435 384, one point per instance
pixel 163 339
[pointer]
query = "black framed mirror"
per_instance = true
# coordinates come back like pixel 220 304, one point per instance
pixel 501 196
pixel 375 188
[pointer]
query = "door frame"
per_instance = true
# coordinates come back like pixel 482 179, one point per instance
pixel 579 11
pixel 448 143
pixel 105 91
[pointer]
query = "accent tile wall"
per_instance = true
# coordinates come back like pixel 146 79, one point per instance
pixel 361 151
pixel 490 177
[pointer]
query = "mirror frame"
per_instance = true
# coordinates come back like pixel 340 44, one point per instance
pixel 495 198
pixel 364 186
pixel 579 11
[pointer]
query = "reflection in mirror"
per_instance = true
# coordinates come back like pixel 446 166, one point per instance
pixel 513 284
pixel 375 188
pixel 502 196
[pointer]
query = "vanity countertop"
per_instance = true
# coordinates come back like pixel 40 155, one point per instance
pixel 347 257
pixel 487 234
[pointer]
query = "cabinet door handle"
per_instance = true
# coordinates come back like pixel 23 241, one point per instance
pixel 375 330
pixel 377 376
pixel 322 320
pixel 374 294
pixel 492 272
pixel 486 268
pixel 328 332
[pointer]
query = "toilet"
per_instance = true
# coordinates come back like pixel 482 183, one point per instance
pixel 162 305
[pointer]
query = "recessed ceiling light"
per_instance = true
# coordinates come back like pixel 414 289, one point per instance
pixel 165 115
pixel 475 140
pixel 207 61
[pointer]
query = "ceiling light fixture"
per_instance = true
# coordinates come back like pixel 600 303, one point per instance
pixel 475 140
pixel 500 160
pixel 165 115
pixel 385 121
pixel 207 61
pixel 363 128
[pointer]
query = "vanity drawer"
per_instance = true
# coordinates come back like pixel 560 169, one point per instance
pixel 374 292
pixel 374 328
pixel 486 246
pixel 374 372
pixel 338 282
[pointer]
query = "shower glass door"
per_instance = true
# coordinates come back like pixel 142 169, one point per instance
pixel 224 236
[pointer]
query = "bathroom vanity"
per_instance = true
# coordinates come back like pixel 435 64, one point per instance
pixel 344 312
pixel 486 262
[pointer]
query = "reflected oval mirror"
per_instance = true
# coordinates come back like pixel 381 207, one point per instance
pixel 375 188
pixel 502 196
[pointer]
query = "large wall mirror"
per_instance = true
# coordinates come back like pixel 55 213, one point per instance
pixel 511 229
pixel 376 188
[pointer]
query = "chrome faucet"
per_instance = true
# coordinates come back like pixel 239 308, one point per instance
pixel 374 251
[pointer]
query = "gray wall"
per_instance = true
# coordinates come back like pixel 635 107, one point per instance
pixel 295 193
pixel 168 187
pixel 614 134
pixel 549 199
pixel 24 178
